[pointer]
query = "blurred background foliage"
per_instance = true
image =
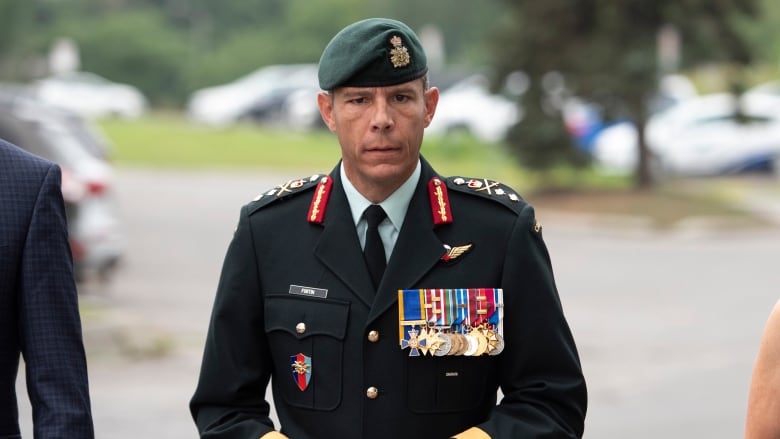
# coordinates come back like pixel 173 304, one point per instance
pixel 169 48
pixel 611 53
pixel 605 51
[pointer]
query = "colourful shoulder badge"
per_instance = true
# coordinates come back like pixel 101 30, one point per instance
pixel 290 188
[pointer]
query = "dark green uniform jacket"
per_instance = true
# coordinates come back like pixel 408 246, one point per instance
pixel 255 326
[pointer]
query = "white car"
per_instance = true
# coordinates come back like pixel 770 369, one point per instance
pixel 225 104
pixel 91 95
pixel 699 136
pixel 469 106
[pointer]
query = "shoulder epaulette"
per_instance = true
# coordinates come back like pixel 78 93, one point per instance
pixel 489 189
pixel 284 190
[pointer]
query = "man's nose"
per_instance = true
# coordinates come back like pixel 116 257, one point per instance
pixel 382 119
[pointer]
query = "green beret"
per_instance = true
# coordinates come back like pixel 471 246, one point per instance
pixel 372 53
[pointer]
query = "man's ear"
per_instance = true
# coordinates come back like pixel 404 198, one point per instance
pixel 431 101
pixel 325 102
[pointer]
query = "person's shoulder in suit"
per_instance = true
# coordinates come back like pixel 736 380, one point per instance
pixel 16 162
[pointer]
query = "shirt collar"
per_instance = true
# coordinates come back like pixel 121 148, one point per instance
pixel 395 205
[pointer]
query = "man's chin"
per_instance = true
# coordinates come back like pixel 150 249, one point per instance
pixel 390 172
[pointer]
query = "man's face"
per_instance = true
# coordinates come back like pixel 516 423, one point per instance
pixel 380 130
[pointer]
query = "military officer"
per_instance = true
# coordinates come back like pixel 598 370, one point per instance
pixel 383 300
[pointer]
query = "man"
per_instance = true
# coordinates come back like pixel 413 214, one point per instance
pixel 39 315
pixel 417 349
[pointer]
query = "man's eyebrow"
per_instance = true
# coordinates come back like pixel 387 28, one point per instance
pixel 404 89
pixel 354 92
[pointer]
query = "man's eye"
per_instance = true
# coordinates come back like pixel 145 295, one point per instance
pixel 401 98
pixel 357 101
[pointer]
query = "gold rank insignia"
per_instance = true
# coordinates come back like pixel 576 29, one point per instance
pixel 440 202
pixel 399 55
pixel 319 201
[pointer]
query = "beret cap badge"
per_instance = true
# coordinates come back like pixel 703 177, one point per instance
pixel 399 55
pixel 375 52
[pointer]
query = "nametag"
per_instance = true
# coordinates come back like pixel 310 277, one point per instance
pixel 308 291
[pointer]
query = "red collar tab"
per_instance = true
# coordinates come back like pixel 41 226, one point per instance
pixel 319 201
pixel 440 202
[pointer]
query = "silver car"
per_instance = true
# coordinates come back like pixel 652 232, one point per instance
pixel 96 235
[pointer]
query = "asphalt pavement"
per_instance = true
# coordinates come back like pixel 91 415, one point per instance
pixel 667 322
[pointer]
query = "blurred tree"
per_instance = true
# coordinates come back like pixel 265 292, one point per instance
pixel 764 35
pixel 465 24
pixel 297 34
pixel 15 16
pixel 9 17
pixel 150 55
pixel 606 51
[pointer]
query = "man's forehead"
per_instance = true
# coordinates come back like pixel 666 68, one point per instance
pixel 414 85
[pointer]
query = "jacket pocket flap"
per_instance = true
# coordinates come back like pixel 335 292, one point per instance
pixel 305 317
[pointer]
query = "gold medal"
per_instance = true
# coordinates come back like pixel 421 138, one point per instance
pixel 423 341
pixel 482 343
pixel 492 340
pixel 456 343
pixel 463 344
pixel 434 341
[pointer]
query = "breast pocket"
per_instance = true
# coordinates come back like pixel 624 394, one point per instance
pixel 446 384
pixel 306 338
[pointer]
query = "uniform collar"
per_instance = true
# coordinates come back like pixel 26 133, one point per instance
pixel 395 205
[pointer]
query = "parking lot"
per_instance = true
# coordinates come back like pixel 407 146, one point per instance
pixel 667 323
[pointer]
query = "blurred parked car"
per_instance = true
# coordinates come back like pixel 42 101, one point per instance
pixel 69 140
pixel 258 96
pixel 91 95
pixel 700 136
pixel 585 120
pixel 469 106
pixel 771 87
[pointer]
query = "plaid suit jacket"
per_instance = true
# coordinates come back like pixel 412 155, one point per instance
pixel 39 316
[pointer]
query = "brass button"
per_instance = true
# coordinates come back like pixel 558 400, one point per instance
pixel 373 336
pixel 372 392
pixel 300 328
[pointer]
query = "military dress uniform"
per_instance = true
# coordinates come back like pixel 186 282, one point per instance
pixel 290 286
pixel 467 304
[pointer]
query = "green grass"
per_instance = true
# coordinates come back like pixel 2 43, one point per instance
pixel 170 141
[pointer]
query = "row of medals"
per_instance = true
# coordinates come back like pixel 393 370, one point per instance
pixel 473 342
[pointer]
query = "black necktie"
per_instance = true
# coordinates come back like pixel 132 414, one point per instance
pixel 374 250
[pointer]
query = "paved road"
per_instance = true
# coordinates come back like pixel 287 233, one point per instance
pixel 667 323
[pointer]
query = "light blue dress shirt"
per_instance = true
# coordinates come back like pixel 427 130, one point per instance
pixel 395 206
